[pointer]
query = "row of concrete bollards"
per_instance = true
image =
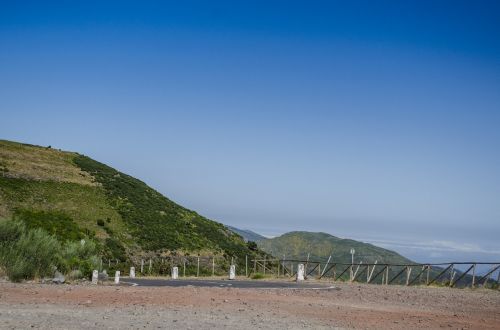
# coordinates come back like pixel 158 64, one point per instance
pixel 175 274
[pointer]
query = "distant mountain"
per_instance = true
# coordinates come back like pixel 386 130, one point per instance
pixel 297 244
pixel 247 235
pixel 73 196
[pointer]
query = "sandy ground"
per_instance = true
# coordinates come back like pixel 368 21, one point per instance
pixel 347 306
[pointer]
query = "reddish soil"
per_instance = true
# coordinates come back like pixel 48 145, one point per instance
pixel 346 306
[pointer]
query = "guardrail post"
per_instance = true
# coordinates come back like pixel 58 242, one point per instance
pixel 198 267
pixel 117 277
pixel 452 274
pixel 473 276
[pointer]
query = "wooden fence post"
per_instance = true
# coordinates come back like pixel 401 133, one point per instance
pixel 213 266
pixel 142 266
pixel 246 265
pixel 264 265
pixel 387 275
pixel 408 274
pixel 184 268
pixel 255 265
pixel 283 265
pixel 428 274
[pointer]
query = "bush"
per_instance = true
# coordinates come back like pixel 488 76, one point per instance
pixel 34 254
pixel 257 276
pixel 79 256
pixel 100 222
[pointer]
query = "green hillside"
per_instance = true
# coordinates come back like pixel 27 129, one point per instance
pixel 74 196
pixel 296 245
pixel 247 235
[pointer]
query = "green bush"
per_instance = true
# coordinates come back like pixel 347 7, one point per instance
pixel 100 222
pixel 34 254
pixel 257 276
pixel 79 256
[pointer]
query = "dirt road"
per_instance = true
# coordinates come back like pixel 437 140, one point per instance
pixel 346 306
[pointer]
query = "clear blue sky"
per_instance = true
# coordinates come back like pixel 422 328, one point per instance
pixel 377 120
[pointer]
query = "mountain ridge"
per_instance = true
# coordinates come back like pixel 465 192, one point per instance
pixel 320 245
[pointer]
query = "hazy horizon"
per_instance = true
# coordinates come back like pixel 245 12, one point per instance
pixel 376 121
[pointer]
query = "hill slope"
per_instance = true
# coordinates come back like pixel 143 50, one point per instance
pixel 296 245
pixel 74 196
pixel 247 235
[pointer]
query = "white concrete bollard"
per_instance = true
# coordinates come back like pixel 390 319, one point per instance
pixel 300 272
pixel 132 272
pixel 175 273
pixel 117 277
pixel 232 272
pixel 95 276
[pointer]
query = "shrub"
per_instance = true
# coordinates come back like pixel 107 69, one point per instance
pixel 79 256
pixel 100 222
pixel 257 276
pixel 34 254
pixel 252 245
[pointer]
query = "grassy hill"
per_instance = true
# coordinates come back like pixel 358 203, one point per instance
pixel 74 196
pixel 297 244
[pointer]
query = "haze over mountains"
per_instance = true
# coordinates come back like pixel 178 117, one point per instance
pixel 73 196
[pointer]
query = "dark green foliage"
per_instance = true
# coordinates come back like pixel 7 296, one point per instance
pixel 100 222
pixel 54 222
pixel 115 250
pixel 157 222
pixel 252 245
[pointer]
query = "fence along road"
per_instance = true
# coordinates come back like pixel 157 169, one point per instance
pixel 441 274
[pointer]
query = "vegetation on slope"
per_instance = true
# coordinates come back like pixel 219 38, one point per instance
pixel 33 253
pixel 72 196
pixel 157 222
pixel 248 235
pixel 296 245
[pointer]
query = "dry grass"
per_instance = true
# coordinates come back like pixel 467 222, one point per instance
pixel 40 164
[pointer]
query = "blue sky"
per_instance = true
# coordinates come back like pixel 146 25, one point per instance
pixel 376 120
